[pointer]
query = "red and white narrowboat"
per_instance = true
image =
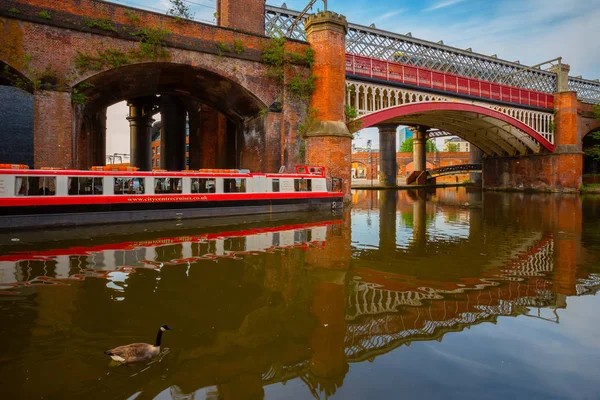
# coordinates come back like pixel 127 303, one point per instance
pixel 53 198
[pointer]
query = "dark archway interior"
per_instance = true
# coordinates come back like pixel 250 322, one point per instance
pixel 183 81
pixel 16 115
pixel 591 164
pixel 216 110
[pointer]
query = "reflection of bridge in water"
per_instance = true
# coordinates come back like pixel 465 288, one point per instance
pixel 300 301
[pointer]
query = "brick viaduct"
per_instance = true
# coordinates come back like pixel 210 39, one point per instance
pixel 78 57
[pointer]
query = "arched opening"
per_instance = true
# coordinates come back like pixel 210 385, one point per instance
pixel 360 170
pixel 496 134
pixel 591 160
pixel 16 109
pixel 179 117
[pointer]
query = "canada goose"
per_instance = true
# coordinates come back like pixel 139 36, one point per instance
pixel 137 352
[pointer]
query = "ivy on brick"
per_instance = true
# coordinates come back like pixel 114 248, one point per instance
pixel 151 47
pixel 103 23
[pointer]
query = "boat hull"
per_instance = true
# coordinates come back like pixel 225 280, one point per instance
pixel 58 215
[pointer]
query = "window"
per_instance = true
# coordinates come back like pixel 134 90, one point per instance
pixel 276 185
pixel 35 185
pixel 167 185
pixel 237 185
pixel 128 185
pixel 203 185
pixel 85 186
pixel 303 185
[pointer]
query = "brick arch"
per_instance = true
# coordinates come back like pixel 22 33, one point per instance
pixel 141 79
pixel 493 132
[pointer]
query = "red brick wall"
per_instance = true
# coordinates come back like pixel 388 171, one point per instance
pixel 404 163
pixel 54 43
pixel 244 15
pixel 52 130
pixel 549 172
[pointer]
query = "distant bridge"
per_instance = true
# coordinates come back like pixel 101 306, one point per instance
pixel 454 170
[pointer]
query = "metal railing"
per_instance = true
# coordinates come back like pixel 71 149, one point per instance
pixel 451 83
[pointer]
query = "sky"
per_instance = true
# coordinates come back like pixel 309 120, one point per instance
pixel 531 31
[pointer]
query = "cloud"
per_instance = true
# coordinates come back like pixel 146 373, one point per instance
pixel 443 4
pixel 387 15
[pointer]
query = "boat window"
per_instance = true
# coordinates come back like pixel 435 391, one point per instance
pixel 35 186
pixel 127 185
pixel 203 185
pixel 303 185
pixel 167 185
pixel 276 185
pixel 85 186
pixel 234 185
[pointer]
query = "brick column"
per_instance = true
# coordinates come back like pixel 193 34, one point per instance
pixel 328 141
pixel 387 154
pixel 52 129
pixel 244 15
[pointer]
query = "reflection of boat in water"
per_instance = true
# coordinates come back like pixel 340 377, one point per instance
pixel 101 260
pixel 48 198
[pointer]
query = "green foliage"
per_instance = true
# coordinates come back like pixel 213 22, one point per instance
pixel 132 17
pixel 223 47
pixel 452 147
pixel 45 14
pixel 301 87
pixel 102 23
pixel 590 188
pixel 15 79
pixel 593 151
pixel 308 122
pixel 151 45
pixel 351 115
pixel 104 58
pixel 238 46
pixel 179 9
pixel 14 11
pixel 407 146
pixel 597 111
pixel 77 97
pixel 274 57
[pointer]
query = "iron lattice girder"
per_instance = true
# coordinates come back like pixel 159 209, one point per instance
pixel 389 46
pixel 448 170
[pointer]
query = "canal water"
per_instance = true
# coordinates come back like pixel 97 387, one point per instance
pixel 412 294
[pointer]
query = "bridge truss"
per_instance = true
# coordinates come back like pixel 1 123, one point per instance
pixel 388 46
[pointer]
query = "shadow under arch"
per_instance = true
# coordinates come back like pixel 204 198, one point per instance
pixel 145 79
pixel 16 112
pixel 10 76
pixel 495 133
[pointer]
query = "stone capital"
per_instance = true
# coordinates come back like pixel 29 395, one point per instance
pixel 420 132
pixel 328 128
pixel 562 71
pixel 387 128
pixel 326 20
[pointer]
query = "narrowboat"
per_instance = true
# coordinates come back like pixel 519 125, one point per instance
pixel 107 195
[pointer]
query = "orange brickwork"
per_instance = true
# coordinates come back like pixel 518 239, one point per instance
pixel 244 15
